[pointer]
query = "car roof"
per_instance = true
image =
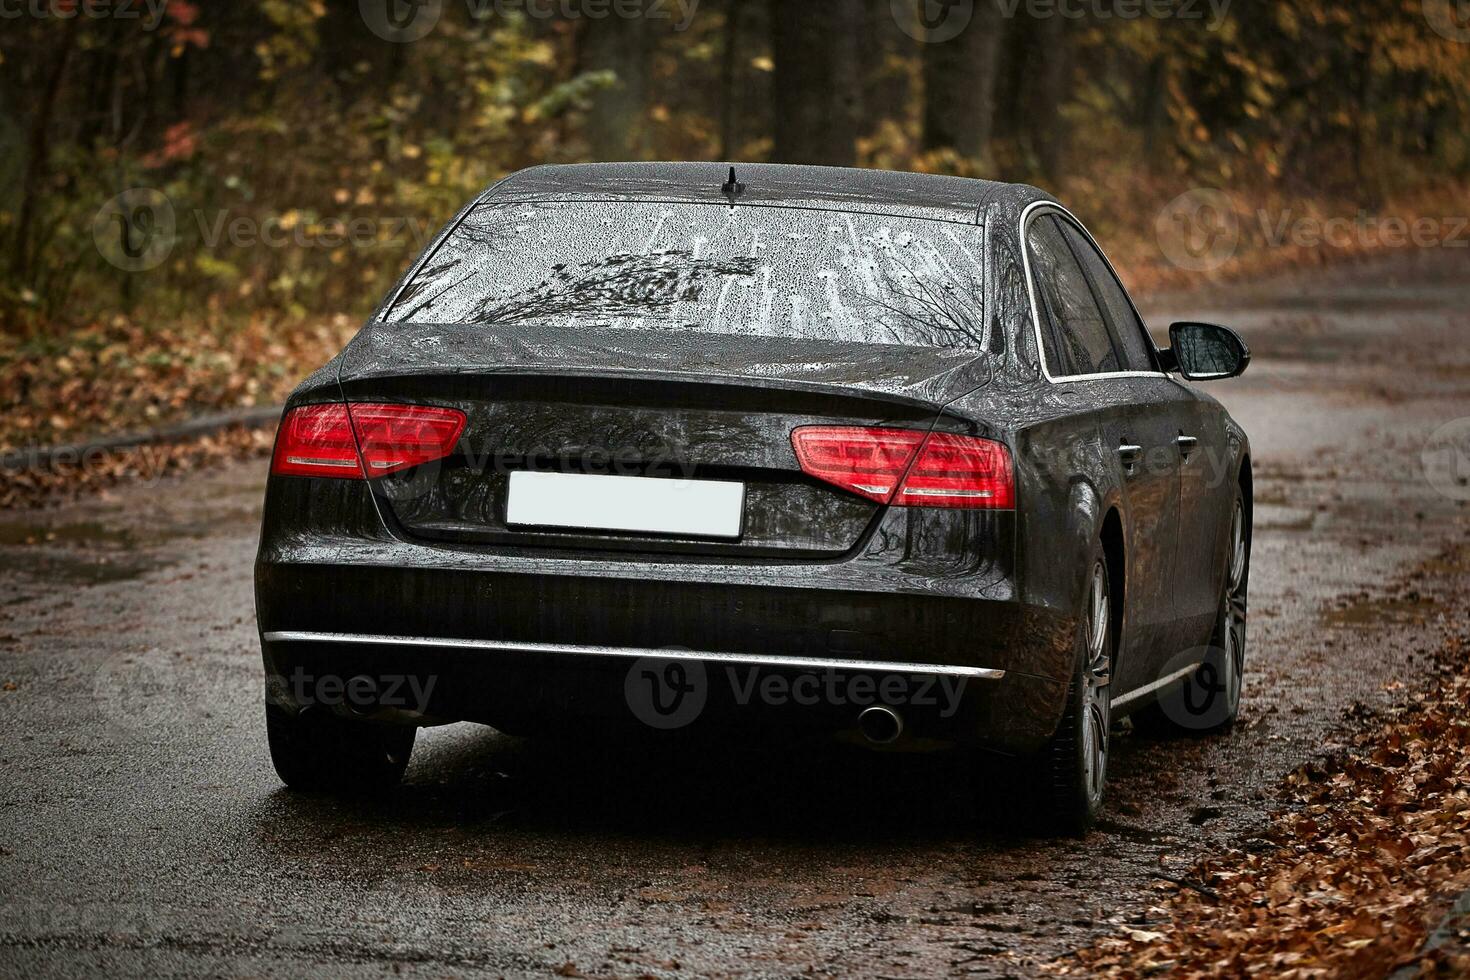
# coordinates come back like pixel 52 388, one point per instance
pixel 935 196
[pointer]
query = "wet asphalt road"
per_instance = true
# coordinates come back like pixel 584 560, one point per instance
pixel 142 830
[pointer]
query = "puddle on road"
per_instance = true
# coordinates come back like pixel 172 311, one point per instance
pixel 1412 608
pixel 23 533
pixel 1278 518
pixel 95 552
pixel 119 537
pixel 83 569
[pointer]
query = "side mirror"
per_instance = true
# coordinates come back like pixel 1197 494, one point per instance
pixel 1205 352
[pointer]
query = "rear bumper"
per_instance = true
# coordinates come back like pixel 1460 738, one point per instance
pixel 517 638
pixel 539 688
pixel 527 651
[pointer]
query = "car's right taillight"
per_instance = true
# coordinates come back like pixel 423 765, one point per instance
pixel 363 440
pixel 907 468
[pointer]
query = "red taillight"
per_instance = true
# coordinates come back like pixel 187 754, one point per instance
pixel 318 440
pixel 881 464
pixel 869 462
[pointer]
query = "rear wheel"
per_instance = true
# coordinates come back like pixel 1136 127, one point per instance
pixel 1074 766
pixel 316 751
pixel 1226 657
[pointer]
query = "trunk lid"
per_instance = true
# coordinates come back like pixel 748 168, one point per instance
pixel 643 404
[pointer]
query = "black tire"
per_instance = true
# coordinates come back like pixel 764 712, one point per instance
pixel 1208 701
pixel 1070 775
pixel 318 752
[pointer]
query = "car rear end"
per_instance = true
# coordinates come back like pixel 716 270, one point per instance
pixel 616 495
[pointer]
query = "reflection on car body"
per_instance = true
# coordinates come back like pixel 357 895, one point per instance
pixel 952 452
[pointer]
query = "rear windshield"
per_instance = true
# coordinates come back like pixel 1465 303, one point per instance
pixel 753 271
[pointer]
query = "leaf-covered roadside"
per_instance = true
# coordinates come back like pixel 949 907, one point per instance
pixel 125 376
pixel 55 483
pixel 1353 875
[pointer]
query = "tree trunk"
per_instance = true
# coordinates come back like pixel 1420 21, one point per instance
pixel 38 153
pixel 847 80
pixel 960 76
pixel 616 127
pixel 1008 119
pixel 1049 70
pixel 730 80
pixel 817 84
pixel 1154 114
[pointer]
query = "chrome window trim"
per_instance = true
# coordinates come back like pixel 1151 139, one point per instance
pixel 1157 685
pixel 638 653
pixel 1027 215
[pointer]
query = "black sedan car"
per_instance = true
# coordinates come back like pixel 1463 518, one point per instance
pixel 679 445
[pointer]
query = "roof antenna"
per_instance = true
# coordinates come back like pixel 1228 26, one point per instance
pixel 733 188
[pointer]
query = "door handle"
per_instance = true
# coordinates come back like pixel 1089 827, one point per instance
pixel 1130 455
pixel 1187 444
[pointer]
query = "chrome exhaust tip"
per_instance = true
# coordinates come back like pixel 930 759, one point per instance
pixel 880 725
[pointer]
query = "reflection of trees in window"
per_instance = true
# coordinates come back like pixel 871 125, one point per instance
pixel 620 285
pixel 942 310
pixel 476 241
pixel 913 309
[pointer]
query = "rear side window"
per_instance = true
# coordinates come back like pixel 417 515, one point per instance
pixel 713 269
pixel 1079 341
pixel 1128 329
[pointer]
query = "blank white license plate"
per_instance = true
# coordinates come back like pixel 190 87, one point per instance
pixel 684 508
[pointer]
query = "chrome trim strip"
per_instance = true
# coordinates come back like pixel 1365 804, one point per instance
pixel 341 464
pixel 635 653
pixel 1157 685
pixel 1036 309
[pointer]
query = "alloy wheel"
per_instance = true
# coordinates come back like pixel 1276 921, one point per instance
pixel 1234 613
pixel 1096 693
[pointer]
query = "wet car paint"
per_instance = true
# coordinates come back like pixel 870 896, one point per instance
pixel 992 590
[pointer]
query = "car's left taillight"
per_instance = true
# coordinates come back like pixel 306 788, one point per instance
pixel 364 439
